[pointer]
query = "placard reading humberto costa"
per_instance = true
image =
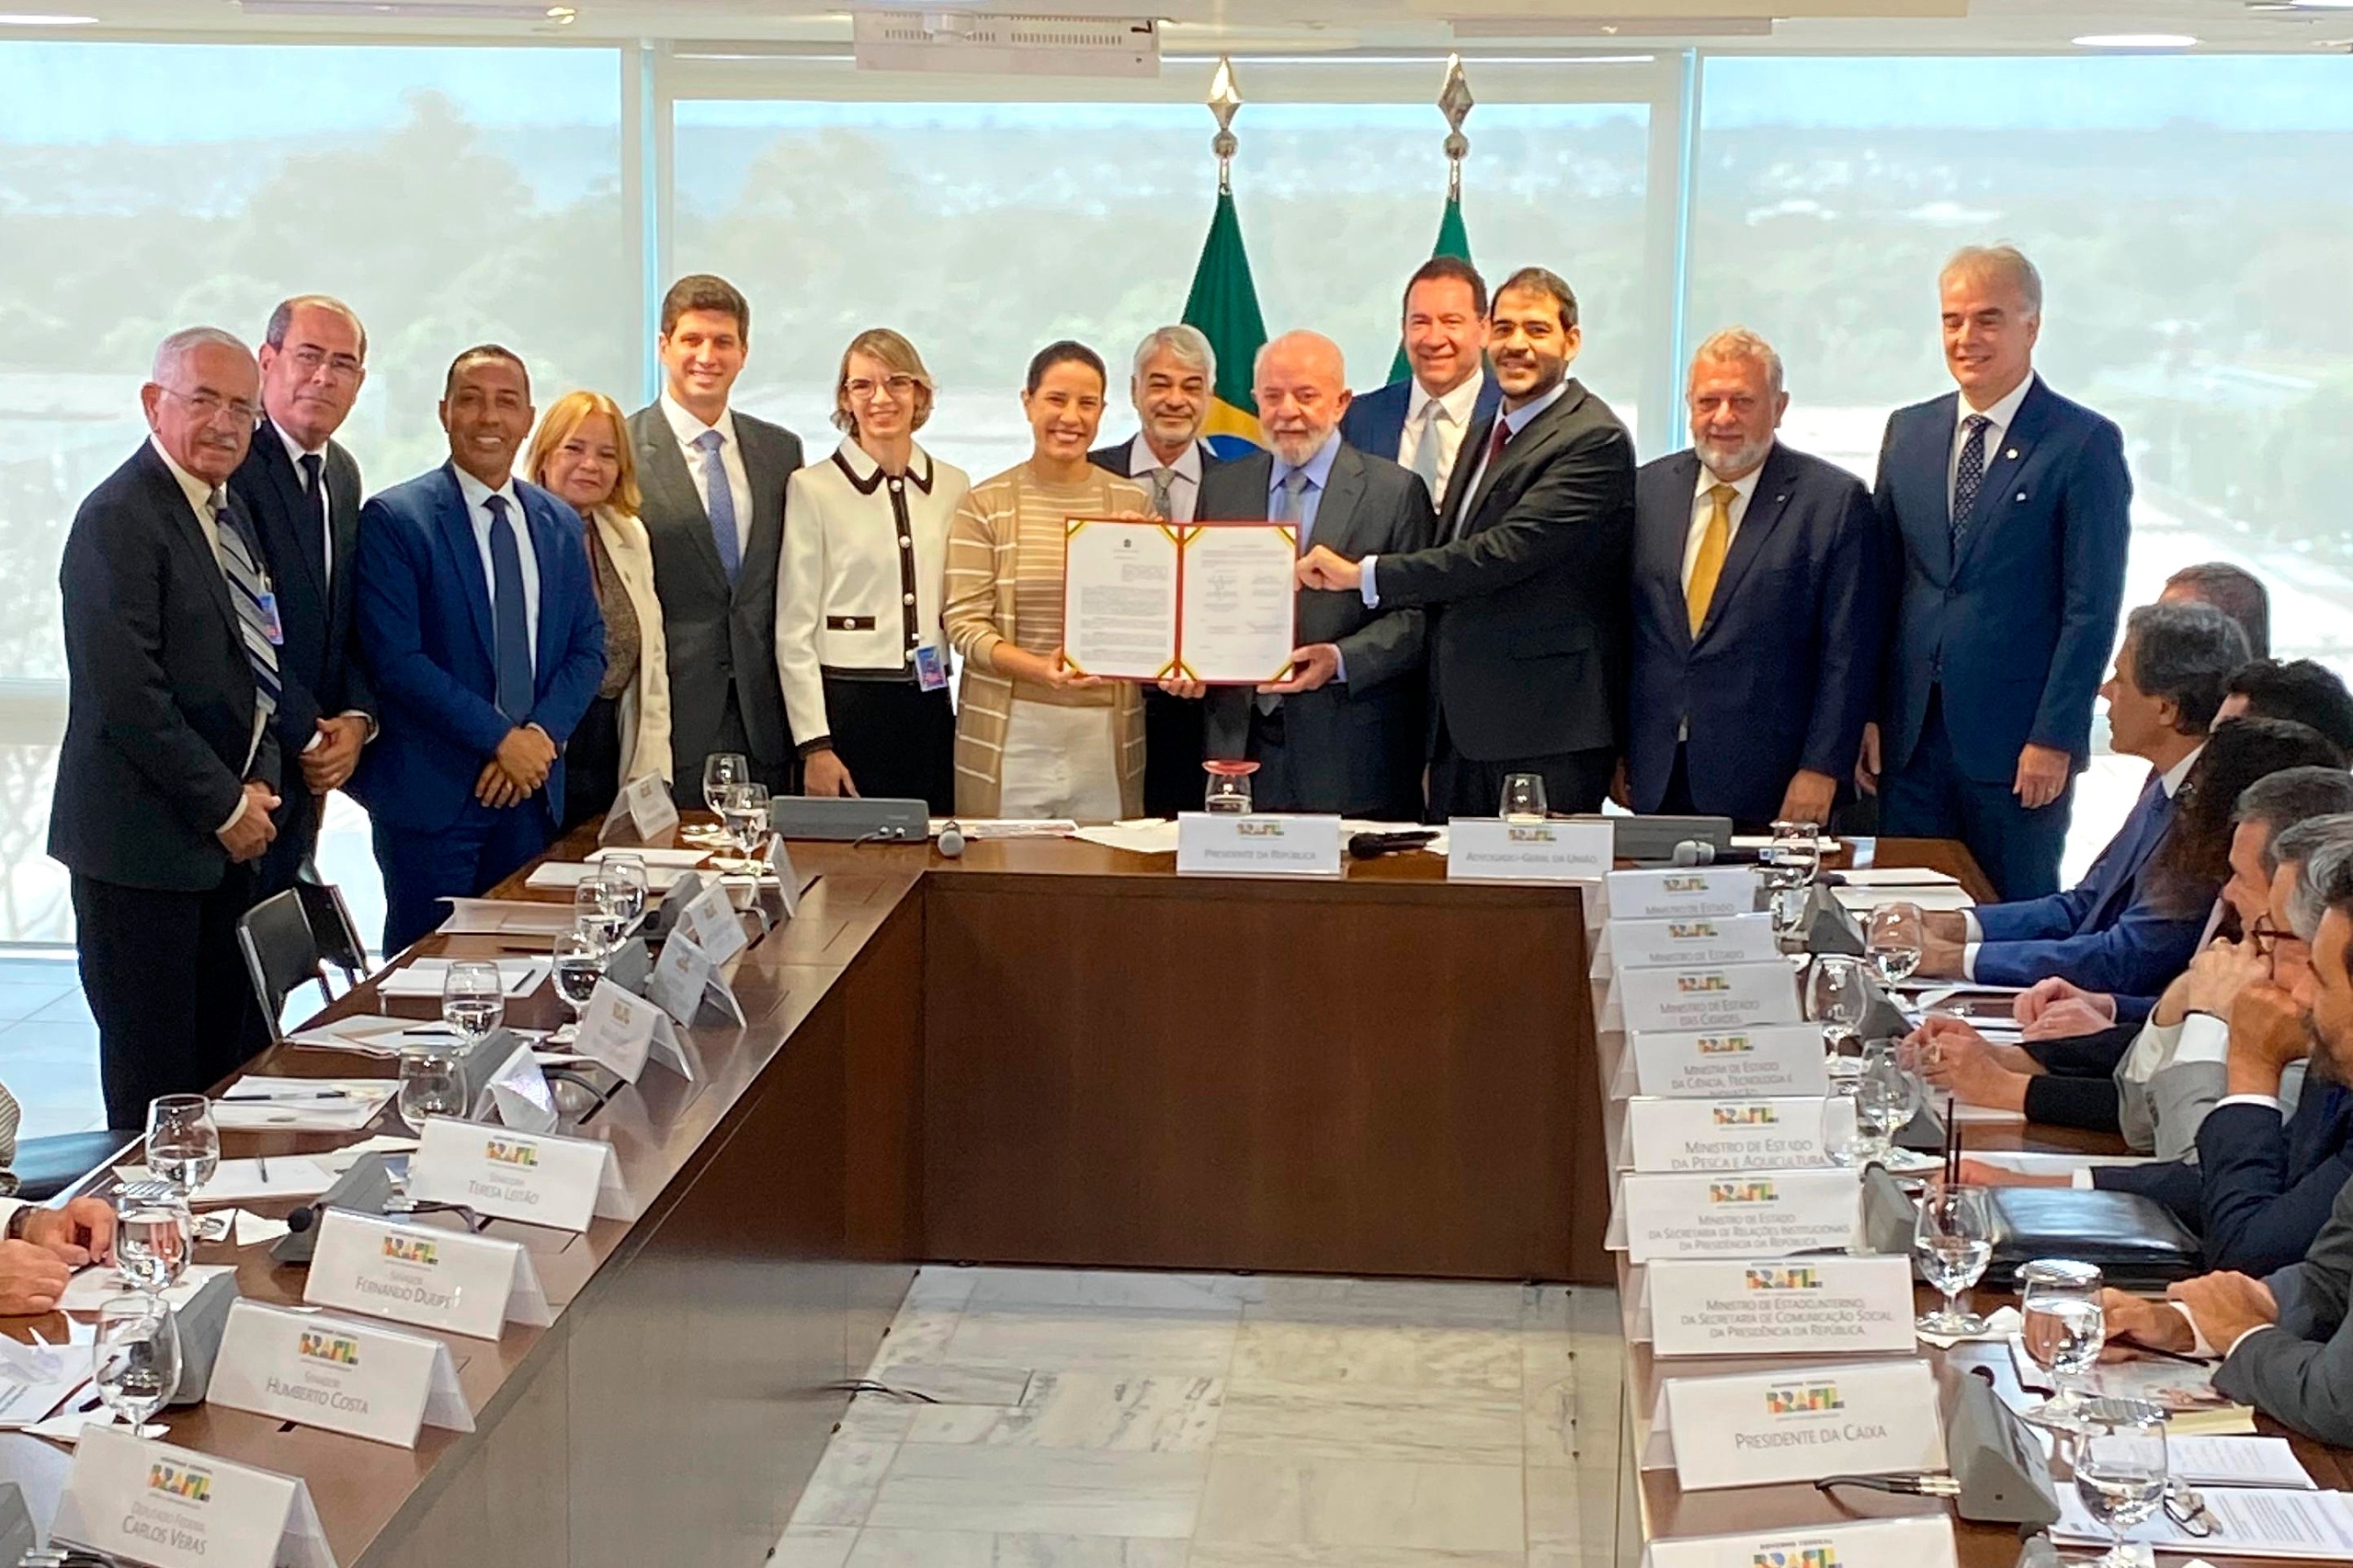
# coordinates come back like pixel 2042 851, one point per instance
pixel 1212 602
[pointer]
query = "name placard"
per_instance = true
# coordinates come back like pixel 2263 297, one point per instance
pixel 1771 1133
pixel 709 921
pixel 451 1280
pixel 1739 1214
pixel 517 1093
pixel 1768 1059
pixel 1758 1428
pixel 337 1374
pixel 1813 1305
pixel 176 1508
pixel 1258 844
pixel 1714 996
pixel 536 1177
pixel 1923 1540
pixel 1693 940
pixel 621 1033
pixel 1493 849
pixel 644 807
pixel 687 983
pixel 1661 894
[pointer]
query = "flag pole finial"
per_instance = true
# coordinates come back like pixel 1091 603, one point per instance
pixel 1454 101
pixel 1224 98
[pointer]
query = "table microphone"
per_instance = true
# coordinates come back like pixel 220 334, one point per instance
pixel 1694 852
pixel 952 841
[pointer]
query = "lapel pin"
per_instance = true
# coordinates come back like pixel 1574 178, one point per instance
pixel 2012 454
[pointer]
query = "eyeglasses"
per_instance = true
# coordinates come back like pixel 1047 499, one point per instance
pixel 208 405
pixel 311 361
pixel 900 388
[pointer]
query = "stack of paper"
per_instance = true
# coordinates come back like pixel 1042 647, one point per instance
pixel 2248 1522
pixel 37 1379
pixel 656 859
pixel 1139 835
pixel 301 1105
pixel 252 1181
pixel 506 917
pixel 424 977
pixel 2235 1462
pixel 94 1287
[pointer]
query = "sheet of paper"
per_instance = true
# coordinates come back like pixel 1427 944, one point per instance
pixel 977 828
pixel 1890 876
pixel 2029 1163
pixel 301 1105
pixel 373 1034
pixel 244 1181
pixel 655 859
pixel 1991 1115
pixel 562 874
pixel 1152 836
pixel 68 1425
pixel 2248 1522
pixel 1120 598
pixel 38 1381
pixel 424 977
pixel 2000 1324
pixel 1930 900
pixel 506 917
pixel 258 1230
pixel 343 1159
pixel 94 1287
pixel 2236 1461
pixel 1238 623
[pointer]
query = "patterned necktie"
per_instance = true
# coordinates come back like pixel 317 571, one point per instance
pixel 10 1119
pixel 314 487
pixel 1715 543
pixel 1970 476
pixel 246 588
pixel 1290 507
pixel 721 505
pixel 511 632
pixel 1164 484
pixel 1426 451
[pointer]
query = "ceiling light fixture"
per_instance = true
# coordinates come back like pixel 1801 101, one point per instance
pixel 42 20
pixel 2136 40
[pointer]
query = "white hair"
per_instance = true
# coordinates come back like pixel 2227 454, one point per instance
pixel 2000 261
pixel 187 341
pixel 1738 346
pixel 1189 344
pixel 1299 334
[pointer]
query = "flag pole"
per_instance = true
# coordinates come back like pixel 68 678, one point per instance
pixel 1454 101
pixel 1224 98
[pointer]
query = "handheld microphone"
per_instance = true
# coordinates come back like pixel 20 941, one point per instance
pixel 1694 852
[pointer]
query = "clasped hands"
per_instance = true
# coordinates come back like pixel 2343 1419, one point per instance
pixel 2041 776
pixel 517 769
pixel 55 1241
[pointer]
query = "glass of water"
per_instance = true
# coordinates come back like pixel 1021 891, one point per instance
pixel 1228 792
pixel 1952 1241
pixel 629 886
pixel 1523 798
pixel 2063 1329
pixel 721 771
pixel 1887 1096
pixel 1838 995
pixel 2121 1468
pixel 1893 939
pixel 473 999
pixel 183 1141
pixel 596 914
pixel 744 813
pixel 135 1360
pixel 153 1237
pixel 579 964
pixel 431 1085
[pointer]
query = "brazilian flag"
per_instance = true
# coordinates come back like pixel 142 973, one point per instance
pixel 1452 240
pixel 1225 306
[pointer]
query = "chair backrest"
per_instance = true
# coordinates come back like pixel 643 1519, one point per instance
pixel 333 929
pixel 281 953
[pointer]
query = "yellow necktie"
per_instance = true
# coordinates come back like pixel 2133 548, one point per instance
pixel 1714 545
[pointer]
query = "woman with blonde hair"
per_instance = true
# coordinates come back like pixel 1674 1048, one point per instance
pixel 860 649
pixel 582 452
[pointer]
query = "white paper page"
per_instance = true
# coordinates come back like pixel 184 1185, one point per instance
pixel 977 828
pixel 2027 1163
pixel 39 1379
pixel 315 1105
pixel 505 918
pixel 1152 836
pixel 2318 1526
pixel 424 977
pixel 1238 596
pixel 373 1034
pixel 1930 900
pixel 655 859
pixel 1890 876
pixel 244 1181
pixel 2236 1461
pixel 1120 598
pixel 94 1287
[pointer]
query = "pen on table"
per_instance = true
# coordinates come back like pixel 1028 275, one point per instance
pixel 262 1161
pixel 2162 1354
pixel 286 1100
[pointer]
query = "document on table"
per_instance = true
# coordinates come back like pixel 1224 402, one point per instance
pixel 1858 900
pixel 1887 876
pixel 654 859
pixel 37 1379
pixel 974 829
pixel 375 1034
pixel 1119 598
pixel 2248 1522
pixel 94 1287
pixel 2236 1461
pixel 1141 835
pixel 249 1181
pixel 519 977
pixel 301 1105
pixel 506 917
pixel 1215 602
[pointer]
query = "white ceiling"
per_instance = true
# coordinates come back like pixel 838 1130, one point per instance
pixel 1413 27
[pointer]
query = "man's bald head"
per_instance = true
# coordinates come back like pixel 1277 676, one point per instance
pixel 1301 381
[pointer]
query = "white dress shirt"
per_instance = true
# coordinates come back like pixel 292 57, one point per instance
pixel 323 501
pixel 477 496
pixel 1703 507
pixel 200 501
pixel 690 429
pixel 1184 475
pixel 1998 419
pixel 1453 412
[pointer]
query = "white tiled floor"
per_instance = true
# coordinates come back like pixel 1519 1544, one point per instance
pixel 1100 1420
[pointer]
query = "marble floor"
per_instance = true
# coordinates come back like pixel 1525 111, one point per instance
pixel 1115 1420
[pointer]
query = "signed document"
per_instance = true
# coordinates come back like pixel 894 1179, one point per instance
pixel 1212 602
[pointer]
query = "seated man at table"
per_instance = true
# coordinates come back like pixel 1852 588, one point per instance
pixel 2119 929
pixel 40 1248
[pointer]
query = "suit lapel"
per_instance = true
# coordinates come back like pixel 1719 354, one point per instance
pixel 666 480
pixel 2003 462
pixel 184 527
pixel 1521 450
pixel 763 472
pixel 1335 514
pixel 303 511
pixel 458 539
pixel 1766 504
pixel 344 502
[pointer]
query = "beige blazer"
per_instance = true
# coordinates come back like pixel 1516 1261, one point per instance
pixel 645 706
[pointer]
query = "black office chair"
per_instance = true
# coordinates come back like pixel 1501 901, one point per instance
pixel 331 927
pixel 280 954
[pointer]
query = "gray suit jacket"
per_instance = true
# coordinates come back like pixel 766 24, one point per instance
pixel 1356 745
pixel 2301 1373
pixel 719 636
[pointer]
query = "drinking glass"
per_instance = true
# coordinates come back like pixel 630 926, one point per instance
pixel 579 964
pixel 135 1360
pixel 153 1238
pixel 1952 1241
pixel 2119 1467
pixel 1838 995
pixel 1894 938
pixel 1523 799
pixel 474 1000
pixel 430 1085
pixel 595 912
pixel 183 1142
pixel 1795 852
pixel 721 771
pixel 744 813
pixel 1887 1096
pixel 1229 788
pixel 626 876
pixel 2064 1328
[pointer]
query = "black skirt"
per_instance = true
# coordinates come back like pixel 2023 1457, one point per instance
pixel 897 740
pixel 592 763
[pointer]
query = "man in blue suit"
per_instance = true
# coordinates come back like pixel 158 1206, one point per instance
pixel 1757 618
pixel 2006 511
pixel 479 626
pixel 1420 420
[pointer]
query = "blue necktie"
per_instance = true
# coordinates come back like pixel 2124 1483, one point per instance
pixel 513 632
pixel 722 505
pixel 1969 476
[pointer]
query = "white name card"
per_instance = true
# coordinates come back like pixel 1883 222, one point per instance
pixel 536 1177
pixel 1743 1214
pixel 1923 1540
pixel 337 1374
pixel 1693 940
pixel 1758 1428
pixel 1760 1134
pixel 1667 894
pixel 1494 850
pixel 452 1280
pixel 176 1508
pixel 686 981
pixel 1768 1059
pixel 1715 996
pixel 709 921
pixel 1259 845
pixel 621 1033
pixel 644 807
pixel 1855 1305
pixel 788 880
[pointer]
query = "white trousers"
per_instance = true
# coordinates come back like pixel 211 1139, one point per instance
pixel 1061 762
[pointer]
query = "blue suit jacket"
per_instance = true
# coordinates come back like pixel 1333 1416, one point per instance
pixel 2112 931
pixel 1375 420
pixel 2018 626
pixel 2262 1187
pixel 1781 675
pixel 424 631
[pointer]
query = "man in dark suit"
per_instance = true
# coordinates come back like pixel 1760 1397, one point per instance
pixel 2006 511
pixel 1527 585
pixel 714 482
pixel 479 622
pixel 1173 386
pixel 168 773
pixel 1421 422
pixel 1757 608
pixel 301 489
pixel 1343 732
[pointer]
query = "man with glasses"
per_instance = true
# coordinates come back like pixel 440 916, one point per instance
pixel 301 489
pixel 168 774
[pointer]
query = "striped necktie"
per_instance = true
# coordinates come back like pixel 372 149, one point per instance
pixel 11 1117
pixel 247 588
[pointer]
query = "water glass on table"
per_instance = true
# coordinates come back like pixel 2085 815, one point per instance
pixel 630 888
pixel 2120 1470
pixel 2063 1329
pixel 154 1236
pixel 579 964
pixel 182 1141
pixel 1952 1241
pixel 744 813
pixel 1893 939
pixel 473 999
pixel 1523 798
pixel 431 1085
pixel 595 911
pixel 1838 997
pixel 721 771
pixel 1887 1096
pixel 135 1360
